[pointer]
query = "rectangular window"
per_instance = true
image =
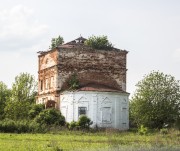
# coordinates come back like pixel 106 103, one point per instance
pixel 41 85
pixel 82 111
pixel 46 84
pixel 43 100
pixel 106 114
pixel 52 82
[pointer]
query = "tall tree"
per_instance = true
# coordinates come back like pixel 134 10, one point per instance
pixel 56 42
pixel 22 96
pixel 4 96
pixel 156 101
pixel 24 88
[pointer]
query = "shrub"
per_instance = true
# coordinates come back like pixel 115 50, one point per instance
pixel 99 42
pixel 73 82
pixel 35 110
pixel 84 122
pixel 50 117
pixel 55 42
pixel 20 126
pixel 142 130
pixel 8 125
pixel 177 124
pixel 72 125
pixel 164 131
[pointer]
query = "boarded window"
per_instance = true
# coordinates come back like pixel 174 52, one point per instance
pixel 106 114
pixel 124 117
pixel 82 111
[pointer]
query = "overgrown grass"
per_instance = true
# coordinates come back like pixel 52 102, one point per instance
pixel 77 140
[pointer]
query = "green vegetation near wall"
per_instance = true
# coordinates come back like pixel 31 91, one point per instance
pixel 99 42
pixel 55 42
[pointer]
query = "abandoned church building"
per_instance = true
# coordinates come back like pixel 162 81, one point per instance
pixel 77 79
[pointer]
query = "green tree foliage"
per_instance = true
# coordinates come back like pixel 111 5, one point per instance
pixel 35 110
pixel 99 42
pixel 24 88
pixel 17 110
pixel 73 82
pixel 156 101
pixel 50 117
pixel 21 126
pixel 22 97
pixel 56 42
pixel 84 122
pixel 72 125
pixel 4 96
pixel 142 130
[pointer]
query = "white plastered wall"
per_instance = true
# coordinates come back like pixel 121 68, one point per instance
pixel 105 109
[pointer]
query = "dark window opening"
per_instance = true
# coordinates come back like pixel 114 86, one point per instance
pixel 82 111
pixel 41 83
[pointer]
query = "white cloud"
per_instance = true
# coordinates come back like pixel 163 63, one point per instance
pixel 19 28
pixel 21 36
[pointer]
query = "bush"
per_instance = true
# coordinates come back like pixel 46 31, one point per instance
pixel 55 42
pixel 8 125
pixel 142 130
pixel 35 110
pixel 72 125
pixel 73 82
pixel 164 131
pixel 50 117
pixel 20 126
pixel 99 42
pixel 84 122
pixel 177 124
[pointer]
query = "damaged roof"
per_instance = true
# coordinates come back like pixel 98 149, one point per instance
pixel 79 40
pixel 74 43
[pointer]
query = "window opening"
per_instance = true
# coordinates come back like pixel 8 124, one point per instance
pixel 41 85
pixel 82 111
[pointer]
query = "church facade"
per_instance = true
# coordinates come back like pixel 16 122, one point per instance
pixel 100 79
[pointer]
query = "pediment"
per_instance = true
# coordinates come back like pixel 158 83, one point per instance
pixel 82 99
pixel 66 99
pixel 106 100
pixel 124 101
pixel 47 62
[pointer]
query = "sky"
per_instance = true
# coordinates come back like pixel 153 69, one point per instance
pixel 148 29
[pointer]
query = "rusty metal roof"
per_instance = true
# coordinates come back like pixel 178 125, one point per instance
pixel 99 88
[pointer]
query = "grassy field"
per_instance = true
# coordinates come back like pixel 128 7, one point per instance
pixel 108 140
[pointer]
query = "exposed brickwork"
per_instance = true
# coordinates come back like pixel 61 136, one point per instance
pixel 93 66
pixel 97 67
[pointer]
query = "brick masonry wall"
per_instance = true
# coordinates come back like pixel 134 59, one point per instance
pixel 92 67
